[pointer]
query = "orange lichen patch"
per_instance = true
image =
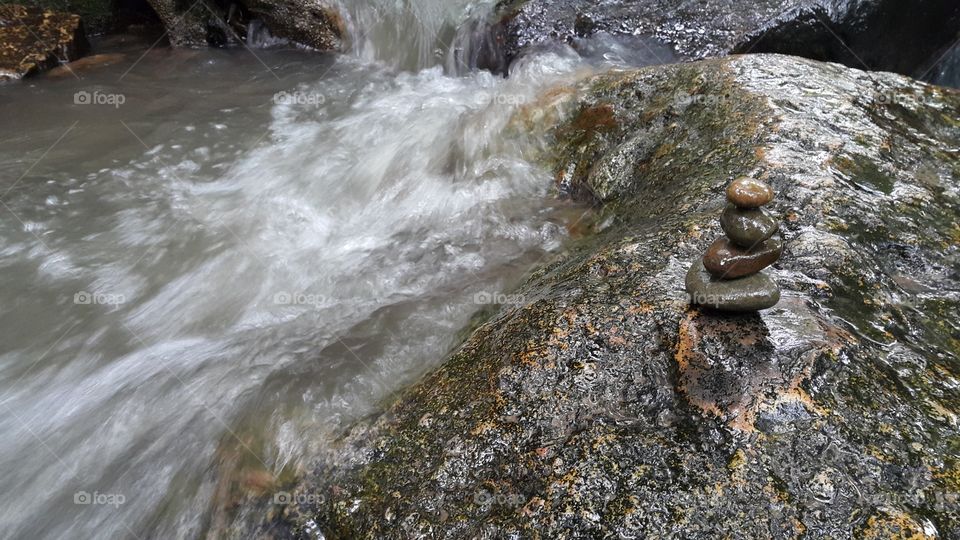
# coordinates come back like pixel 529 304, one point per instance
pixel 955 234
pixel 685 345
pixel 838 338
pixel 603 440
pixel 543 112
pixel 893 524
pixel 794 394
pixel 775 495
pixel 531 357
pixel 949 476
pixel 598 118
pixel 878 453
pixel 533 507
pixel 483 427
pixel 689 361
pixel 538 353
pixel 34 39
pixel 641 308
pixel 741 374
pixel 943 412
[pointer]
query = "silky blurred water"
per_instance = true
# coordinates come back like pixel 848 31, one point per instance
pixel 214 260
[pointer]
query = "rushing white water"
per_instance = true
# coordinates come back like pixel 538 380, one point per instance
pixel 213 254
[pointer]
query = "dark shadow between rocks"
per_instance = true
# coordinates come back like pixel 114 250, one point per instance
pixel 729 365
pixel 890 35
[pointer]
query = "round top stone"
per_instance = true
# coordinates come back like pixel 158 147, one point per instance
pixel 746 192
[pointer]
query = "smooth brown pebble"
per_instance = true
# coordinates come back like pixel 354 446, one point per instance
pixel 747 192
pixel 726 260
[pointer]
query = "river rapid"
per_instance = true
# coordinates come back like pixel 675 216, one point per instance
pixel 214 260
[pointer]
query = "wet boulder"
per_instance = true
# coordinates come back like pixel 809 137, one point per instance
pixel 888 35
pixel 602 404
pixel 314 23
pixel 34 39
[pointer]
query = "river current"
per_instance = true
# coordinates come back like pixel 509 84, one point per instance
pixel 214 260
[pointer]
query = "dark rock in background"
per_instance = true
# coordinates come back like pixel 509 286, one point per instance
pixel 886 35
pixel 97 15
pixel 309 22
pixel 313 23
pixel 603 405
pixel 33 39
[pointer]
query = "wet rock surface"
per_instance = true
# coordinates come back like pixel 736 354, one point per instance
pixel 747 227
pixel 742 292
pixel 603 405
pixel 314 23
pixel 888 35
pixel 724 259
pixel 746 192
pixel 33 40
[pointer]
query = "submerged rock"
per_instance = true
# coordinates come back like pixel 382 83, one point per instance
pixel 888 35
pixel 313 23
pixel 747 227
pixel 603 405
pixel 34 39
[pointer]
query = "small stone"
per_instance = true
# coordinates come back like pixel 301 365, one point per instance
pixel 747 227
pixel 726 260
pixel 747 192
pixel 751 293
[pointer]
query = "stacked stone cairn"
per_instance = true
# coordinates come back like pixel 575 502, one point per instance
pixel 728 277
